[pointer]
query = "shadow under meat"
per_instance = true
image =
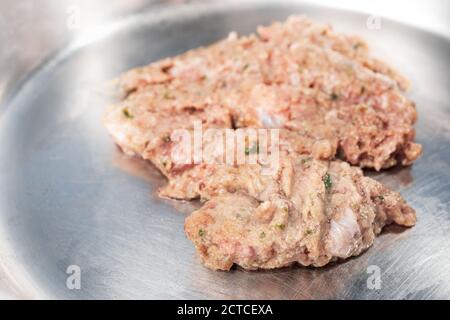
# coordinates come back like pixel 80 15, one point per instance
pixel 395 178
pixel 145 170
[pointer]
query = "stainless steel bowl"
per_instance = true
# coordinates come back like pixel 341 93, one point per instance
pixel 70 201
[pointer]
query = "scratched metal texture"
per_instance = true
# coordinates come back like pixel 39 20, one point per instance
pixel 69 197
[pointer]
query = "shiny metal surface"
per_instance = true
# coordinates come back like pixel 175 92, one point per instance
pixel 69 197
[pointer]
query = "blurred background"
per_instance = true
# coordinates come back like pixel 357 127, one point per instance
pixel 32 30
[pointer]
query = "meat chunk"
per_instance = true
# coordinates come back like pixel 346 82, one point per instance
pixel 281 198
pixel 300 27
pixel 330 212
pixel 144 124
pixel 257 177
pixel 300 76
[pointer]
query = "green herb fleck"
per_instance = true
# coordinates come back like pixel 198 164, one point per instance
pixel 280 226
pixel 253 149
pixel 201 232
pixel 381 198
pixel 363 89
pixel 305 160
pixel 357 45
pixel 327 181
pixel 285 209
pixel 262 235
pixel 245 67
pixel 127 113
pixel 309 232
pixel 167 95
pixel 334 96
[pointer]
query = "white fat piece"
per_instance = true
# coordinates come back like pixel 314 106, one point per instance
pixel 342 234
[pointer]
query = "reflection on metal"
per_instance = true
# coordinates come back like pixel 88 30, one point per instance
pixel 67 196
